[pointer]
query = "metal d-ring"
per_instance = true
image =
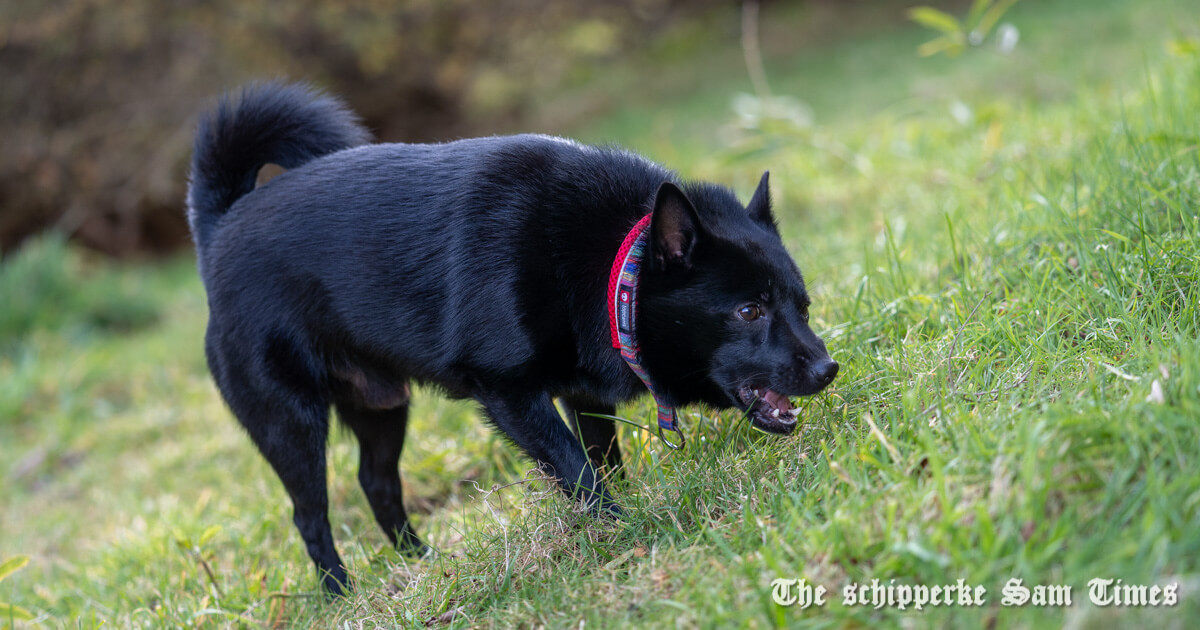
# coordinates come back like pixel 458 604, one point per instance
pixel 674 446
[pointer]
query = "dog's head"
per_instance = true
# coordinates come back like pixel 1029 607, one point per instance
pixel 724 311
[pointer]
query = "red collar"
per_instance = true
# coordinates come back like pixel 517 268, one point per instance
pixel 614 277
pixel 622 319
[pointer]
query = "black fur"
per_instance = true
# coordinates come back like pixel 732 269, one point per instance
pixel 479 266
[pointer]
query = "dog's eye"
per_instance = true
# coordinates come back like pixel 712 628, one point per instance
pixel 804 314
pixel 750 312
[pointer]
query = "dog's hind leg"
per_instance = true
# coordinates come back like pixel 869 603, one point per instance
pixel 597 435
pixel 380 435
pixel 533 423
pixel 287 417
pixel 292 438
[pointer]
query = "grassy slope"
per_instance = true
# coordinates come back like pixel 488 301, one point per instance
pixel 1001 294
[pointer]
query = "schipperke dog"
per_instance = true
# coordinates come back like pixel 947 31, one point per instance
pixel 483 267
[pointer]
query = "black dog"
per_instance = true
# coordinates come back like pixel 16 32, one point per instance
pixel 482 267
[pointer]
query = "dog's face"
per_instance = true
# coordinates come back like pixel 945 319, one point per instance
pixel 725 310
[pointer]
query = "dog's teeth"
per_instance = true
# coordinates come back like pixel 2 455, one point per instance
pixel 775 413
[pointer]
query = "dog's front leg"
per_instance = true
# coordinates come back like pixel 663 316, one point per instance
pixel 597 435
pixel 535 425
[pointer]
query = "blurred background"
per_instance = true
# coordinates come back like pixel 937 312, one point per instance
pixel 98 97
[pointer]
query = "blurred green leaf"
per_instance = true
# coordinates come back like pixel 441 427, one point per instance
pixel 7 568
pixel 936 19
pixel 976 11
pixel 12 565
pixel 1184 47
pixel 10 611
pixel 992 16
pixel 208 535
pixel 949 45
pixel 956 35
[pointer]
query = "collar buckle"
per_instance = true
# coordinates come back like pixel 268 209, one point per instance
pixel 673 445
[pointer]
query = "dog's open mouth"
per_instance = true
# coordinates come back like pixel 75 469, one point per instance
pixel 769 410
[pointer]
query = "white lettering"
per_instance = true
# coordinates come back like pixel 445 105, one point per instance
pixel 849 594
pixel 1171 594
pixel 783 591
pixel 1053 595
pixel 1014 594
pixel 1133 595
pixel 1099 593
pixel 889 594
pixel 789 592
pixel 819 598
pixel 921 596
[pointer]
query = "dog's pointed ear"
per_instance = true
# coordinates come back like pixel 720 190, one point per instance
pixel 674 229
pixel 759 207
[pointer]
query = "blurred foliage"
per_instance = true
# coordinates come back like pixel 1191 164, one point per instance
pixel 1184 47
pixel 47 285
pixel 99 96
pixel 972 30
pixel 12 612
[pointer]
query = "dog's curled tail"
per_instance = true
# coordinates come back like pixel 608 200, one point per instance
pixel 276 123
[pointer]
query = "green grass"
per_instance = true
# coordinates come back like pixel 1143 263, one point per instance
pixel 1003 294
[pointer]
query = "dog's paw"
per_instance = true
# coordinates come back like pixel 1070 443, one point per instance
pixel 609 509
pixel 337 586
pixel 418 552
pixel 410 545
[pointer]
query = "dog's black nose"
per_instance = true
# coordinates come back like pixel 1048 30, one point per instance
pixel 825 370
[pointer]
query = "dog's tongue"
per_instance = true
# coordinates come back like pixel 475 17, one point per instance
pixel 777 400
